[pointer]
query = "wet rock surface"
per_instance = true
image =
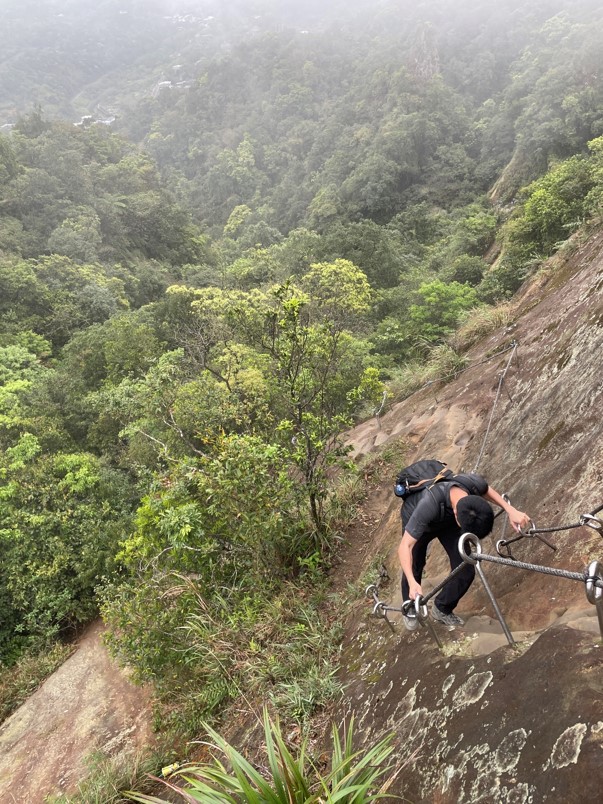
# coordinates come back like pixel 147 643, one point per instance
pixel 512 726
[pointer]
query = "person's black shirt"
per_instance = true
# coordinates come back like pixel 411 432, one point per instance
pixel 430 511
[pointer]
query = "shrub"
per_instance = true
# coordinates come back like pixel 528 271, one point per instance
pixel 354 777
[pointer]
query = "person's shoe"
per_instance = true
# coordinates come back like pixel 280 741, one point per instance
pixel 411 622
pixel 447 619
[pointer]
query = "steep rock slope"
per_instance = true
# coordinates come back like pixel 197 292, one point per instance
pixel 89 704
pixel 480 720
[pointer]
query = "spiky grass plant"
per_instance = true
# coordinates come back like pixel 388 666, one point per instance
pixel 481 322
pixel 354 777
pixel 443 363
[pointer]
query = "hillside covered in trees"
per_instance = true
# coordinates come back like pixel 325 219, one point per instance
pixel 266 245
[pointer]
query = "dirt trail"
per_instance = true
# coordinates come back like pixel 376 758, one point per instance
pixel 87 704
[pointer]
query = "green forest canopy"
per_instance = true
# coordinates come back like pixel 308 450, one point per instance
pixel 197 301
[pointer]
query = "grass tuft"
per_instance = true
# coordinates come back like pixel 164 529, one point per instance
pixel 481 322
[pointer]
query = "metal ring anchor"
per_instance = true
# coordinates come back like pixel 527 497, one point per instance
pixel 379 610
pixel 407 605
pixel 590 521
pixel 594 593
pixel 371 590
pixel 468 557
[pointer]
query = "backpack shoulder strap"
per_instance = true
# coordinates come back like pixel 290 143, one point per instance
pixel 471 482
pixel 429 482
pixel 443 474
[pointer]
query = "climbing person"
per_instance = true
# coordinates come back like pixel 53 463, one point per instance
pixel 444 511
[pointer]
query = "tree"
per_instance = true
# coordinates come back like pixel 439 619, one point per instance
pixel 78 236
pixel 319 365
pixel 287 361
pixel 9 166
pixel 19 369
pixel 439 309
pixel 555 203
pixel 60 520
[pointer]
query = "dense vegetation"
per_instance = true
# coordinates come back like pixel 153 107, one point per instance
pixel 195 308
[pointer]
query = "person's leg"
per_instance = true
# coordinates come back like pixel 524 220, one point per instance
pixel 448 598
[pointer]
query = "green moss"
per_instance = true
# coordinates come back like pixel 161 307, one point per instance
pixel 373 678
pixel 543 444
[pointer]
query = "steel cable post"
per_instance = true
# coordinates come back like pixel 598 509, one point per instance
pixel 592 577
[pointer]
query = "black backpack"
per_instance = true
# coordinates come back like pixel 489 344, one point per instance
pixel 425 474
pixel 419 476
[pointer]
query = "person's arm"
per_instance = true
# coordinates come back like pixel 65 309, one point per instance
pixel 518 519
pixel 405 555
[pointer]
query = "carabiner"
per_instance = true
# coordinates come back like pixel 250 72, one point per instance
pixel 421 610
pixel 504 543
pixel 594 594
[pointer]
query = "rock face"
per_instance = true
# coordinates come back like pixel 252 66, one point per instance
pixel 87 705
pixel 480 720
pixel 476 730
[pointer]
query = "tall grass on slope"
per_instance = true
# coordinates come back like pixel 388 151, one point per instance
pixel 108 776
pixel 354 777
pixel 443 363
pixel 480 322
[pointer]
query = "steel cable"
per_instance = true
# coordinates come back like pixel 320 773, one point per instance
pixel 500 385
pixel 456 571
pixel 560 573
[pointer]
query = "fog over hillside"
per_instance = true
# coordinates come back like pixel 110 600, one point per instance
pixel 53 50
pixel 69 57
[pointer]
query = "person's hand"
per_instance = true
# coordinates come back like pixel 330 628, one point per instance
pixel 518 519
pixel 415 590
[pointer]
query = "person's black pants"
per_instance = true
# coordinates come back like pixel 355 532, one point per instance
pixel 449 596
